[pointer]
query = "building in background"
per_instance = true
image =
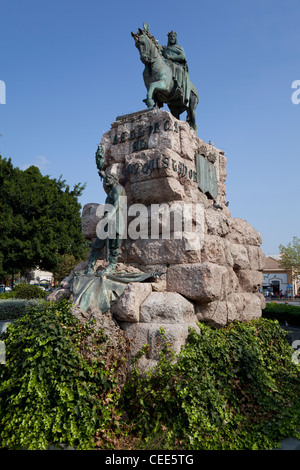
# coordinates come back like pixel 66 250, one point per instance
pixel 41 277
pixel 278 279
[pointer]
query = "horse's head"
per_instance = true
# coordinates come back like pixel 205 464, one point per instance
pixel 146 45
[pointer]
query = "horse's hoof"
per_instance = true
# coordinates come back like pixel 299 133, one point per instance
pixel 150 103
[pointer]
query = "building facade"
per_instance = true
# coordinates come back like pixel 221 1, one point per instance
pixel 277 279
pixel 38 276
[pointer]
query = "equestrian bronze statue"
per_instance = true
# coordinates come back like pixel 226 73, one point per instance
pixel 166 75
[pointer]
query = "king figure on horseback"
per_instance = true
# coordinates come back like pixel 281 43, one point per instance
pixel 166 75
pixel 175 56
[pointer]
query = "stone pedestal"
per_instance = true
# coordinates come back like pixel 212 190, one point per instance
pixel 213 276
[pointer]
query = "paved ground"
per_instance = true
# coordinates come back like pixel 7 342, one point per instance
pixel 290 444
pixel 284 301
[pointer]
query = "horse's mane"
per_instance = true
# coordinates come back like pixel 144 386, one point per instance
pixel 152 38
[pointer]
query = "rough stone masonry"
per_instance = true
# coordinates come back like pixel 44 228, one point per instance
pixel 216 277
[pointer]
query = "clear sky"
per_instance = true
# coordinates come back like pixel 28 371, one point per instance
pixel 71 67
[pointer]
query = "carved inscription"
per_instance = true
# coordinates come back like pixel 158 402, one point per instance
pixel 139 136
pixel 157 163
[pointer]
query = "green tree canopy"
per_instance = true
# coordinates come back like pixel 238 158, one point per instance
pixel 290 257
pixel 39 220
pixel 66 264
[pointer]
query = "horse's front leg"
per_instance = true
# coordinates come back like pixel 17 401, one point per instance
pixel 154 87
pixel 149 101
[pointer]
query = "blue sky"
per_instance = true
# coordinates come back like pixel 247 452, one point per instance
pixel 71 67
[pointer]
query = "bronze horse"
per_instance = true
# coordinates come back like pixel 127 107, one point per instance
pixel 160 83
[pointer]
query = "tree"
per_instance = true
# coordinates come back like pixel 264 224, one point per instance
pixel 290 257
pixel 39 220
pixel 67 263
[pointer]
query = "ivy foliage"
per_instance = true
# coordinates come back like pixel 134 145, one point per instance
pixel 232 388
pixel 57 385
pixel 236 388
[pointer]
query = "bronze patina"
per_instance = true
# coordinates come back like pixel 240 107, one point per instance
pixel 102 289
pixel 166 75
pixel 115 196
pixel 206 177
